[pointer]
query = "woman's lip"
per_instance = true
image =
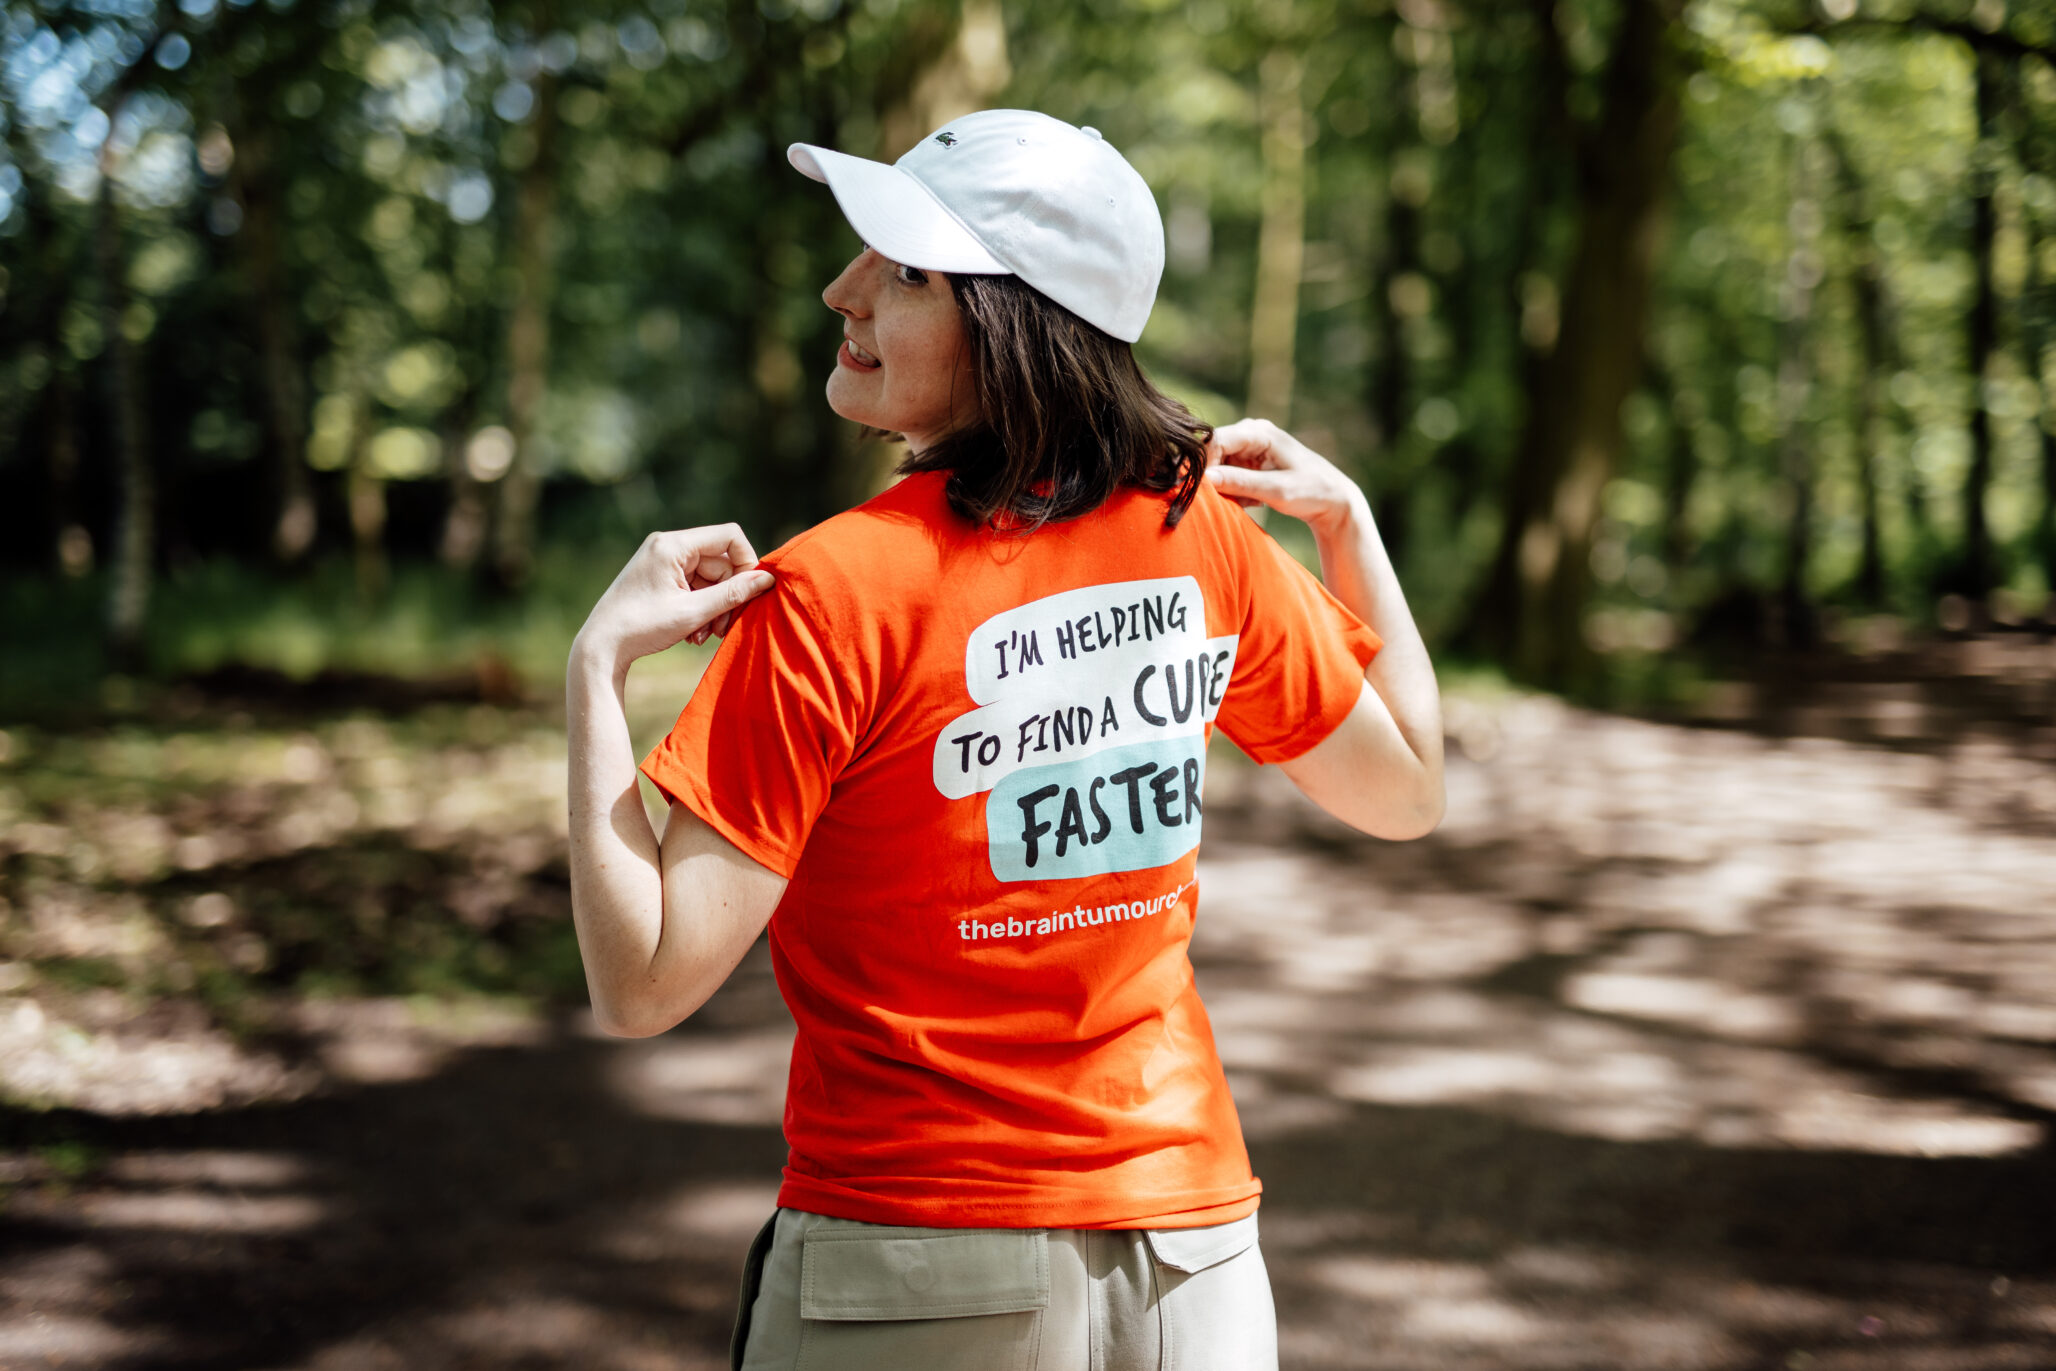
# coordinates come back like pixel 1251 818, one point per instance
pixel 849 359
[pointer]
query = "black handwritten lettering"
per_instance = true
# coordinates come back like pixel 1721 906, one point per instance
pixel 1163 786
pixel 1030 651
pixel 1181 714
pixel 1191 788
pixel 1067 641
pixel 1065 730
pixel 1106 825
pixel 1071 824
pixel 1107 722
pixel 965 742
pixel 1120 621
pixel 1031 828
pixel 1220 678
pixel 1132 778
pixel 1027 728
pixel 1001 648
pixel 1141 708
pixel 988 749
pixel 1177 614
pixel 1153 618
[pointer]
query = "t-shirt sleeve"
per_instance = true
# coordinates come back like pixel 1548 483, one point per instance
pixel 769 728
pixel 1299 664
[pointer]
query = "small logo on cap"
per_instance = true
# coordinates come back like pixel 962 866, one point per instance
pixel 946 138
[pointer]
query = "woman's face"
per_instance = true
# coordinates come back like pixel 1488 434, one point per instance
pixel 904 365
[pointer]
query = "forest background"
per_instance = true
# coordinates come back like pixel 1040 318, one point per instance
pixel 372 335
pixel 1699 359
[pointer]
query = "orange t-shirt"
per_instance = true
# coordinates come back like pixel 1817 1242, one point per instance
pixel 978 758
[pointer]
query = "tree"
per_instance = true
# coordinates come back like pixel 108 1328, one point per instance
pixel 1532 609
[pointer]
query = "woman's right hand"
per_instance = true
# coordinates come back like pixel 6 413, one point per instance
pixel 680 584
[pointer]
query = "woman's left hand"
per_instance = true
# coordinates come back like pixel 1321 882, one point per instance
pixel 1254 462
pixel 680 584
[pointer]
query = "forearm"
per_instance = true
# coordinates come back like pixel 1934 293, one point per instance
pixel 617 888
pixel 1358 571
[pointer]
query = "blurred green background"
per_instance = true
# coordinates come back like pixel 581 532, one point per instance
pixel 351 334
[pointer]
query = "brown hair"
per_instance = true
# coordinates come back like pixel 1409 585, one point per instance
pixel 1067 417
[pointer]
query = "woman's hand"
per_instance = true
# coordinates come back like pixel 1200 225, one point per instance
pixel 680 584
pixel 1253 461
pixel 1381 769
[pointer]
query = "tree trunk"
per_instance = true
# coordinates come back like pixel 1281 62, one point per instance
pixel 367 527
pixel 1398 293
pixel 1392 383
pixel 1281 236
pixel 71 545
pixel 464 523
pixel 1870 424
pixel 1794 390
pixel 2045 527
pixel 43 241
pixel 1976 572
pixel 256 183
pixel 1680 473
pixel 528 342
pixel 963 76
pixel 1872 350
pixel 135 526
pixel 1535 595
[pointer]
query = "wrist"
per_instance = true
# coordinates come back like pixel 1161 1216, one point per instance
pixel 597 656
pixel 1342 517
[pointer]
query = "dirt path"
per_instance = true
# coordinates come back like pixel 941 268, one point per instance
pixel 1676 1048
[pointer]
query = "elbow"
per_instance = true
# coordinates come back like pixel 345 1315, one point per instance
pixel 615 1025
pixel 632 1016
pixel 1417 815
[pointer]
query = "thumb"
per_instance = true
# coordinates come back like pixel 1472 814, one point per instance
pixel 741 588
pixel 712 605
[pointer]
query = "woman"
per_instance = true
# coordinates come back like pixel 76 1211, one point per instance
pixel 953 758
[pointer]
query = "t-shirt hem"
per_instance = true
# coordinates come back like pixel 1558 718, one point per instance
pixel 1030 1209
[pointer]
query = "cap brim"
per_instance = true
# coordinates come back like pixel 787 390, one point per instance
pixel 895 214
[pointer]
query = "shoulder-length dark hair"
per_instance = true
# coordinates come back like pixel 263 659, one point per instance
pixel 1066 417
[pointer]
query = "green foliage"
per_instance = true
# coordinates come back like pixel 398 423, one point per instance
pixel 330 219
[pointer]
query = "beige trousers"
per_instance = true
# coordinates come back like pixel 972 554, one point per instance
pixel 821 1293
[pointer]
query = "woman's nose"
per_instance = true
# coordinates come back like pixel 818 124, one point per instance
pixel 845 294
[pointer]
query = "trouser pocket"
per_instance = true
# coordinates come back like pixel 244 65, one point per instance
pixel 934 1299
pixel 1214 1298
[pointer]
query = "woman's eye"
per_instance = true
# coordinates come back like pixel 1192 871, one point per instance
pixel 910 276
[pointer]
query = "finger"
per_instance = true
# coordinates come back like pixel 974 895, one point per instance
pixel 725 541
pixel 1248 442
pixel 720 602
pixel 1247 485
pixel 719 628
pixel 711 570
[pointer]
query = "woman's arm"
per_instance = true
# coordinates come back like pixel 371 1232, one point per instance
pixel 1380 770
pixel 659 926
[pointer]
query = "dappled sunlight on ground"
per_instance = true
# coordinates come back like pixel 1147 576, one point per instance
pixel 1675 1048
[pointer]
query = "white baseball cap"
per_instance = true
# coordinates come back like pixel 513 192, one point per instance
pixel 1011 192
